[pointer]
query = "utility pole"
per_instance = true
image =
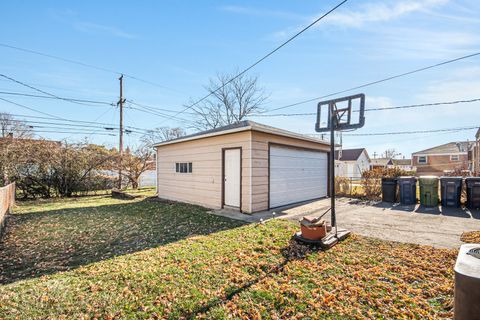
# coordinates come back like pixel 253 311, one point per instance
pixel 120 144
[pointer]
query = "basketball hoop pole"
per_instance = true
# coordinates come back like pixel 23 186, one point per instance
pixel 332 165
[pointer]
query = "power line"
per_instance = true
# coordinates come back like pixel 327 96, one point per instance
pixel 66 128
pixel 260 60
pixel 425 105
pixel 31 109
pixel 50 118
pixel 376 82
pixel 43 91
pixel 80 129
pixel 87 65
pixel 156 113
pixel 155 107
pixel 372 109
pixel 69 124
pixel 69 120
pixel 145 108
pixel 50 97
pixel 70 132
pixel 34 88
pixel 412 132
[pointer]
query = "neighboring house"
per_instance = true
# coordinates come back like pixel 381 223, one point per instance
pixel 402 164
pixel 442 159
pixel 246 166
pixel 351 163
pixel 475 154
pixel 380 163
pixel 148 178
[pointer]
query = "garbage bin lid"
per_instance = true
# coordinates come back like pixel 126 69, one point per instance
pixel 470 181
pixel 389 178
pixel 450 178
pixel 407 177
pixel 428 177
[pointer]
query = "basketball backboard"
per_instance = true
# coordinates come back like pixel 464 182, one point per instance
pixel 348 112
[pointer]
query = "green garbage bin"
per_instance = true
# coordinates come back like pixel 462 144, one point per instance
pixel 428 190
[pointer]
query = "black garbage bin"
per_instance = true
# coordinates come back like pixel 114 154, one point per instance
pixel 451 191
pixel 389 190
pixel 473 192
pixel 408 190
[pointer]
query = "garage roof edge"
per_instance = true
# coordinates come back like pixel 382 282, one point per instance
pixel 239 127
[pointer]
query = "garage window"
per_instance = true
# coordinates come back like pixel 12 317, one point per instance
pixel 183 167
pixel 454 157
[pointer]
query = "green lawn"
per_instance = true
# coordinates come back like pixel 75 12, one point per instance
pixel 141 259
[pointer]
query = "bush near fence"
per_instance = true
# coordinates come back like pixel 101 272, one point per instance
pixel 368 187
pixel 7 200
pixel 372 180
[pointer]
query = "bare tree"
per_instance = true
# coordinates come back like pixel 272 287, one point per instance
pixel 391 153
pixel 137 162
pixel 19 129
pixel 162 134
pixel 230 101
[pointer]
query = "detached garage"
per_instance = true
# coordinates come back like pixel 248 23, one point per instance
pixel 246 166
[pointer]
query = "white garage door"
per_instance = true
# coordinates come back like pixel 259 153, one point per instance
pixel 296 175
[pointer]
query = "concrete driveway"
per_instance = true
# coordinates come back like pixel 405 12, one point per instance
pixel 412 224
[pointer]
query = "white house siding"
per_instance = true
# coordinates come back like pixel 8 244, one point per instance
pixel 352 169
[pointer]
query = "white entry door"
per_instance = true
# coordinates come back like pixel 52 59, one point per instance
pixel 232 174
pixel 296 175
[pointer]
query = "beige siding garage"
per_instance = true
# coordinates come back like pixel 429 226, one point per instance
pixel 204 185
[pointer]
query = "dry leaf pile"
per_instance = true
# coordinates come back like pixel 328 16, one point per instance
pixel 470 237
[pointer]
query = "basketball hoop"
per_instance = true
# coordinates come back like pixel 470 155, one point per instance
pixel 348 113
pixel 339 114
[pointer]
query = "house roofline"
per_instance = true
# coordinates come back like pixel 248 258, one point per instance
pixel 440 154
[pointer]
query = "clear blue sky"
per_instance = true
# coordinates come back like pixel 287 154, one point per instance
pixel 181 44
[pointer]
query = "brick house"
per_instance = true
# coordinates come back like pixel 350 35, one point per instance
pixel 443 158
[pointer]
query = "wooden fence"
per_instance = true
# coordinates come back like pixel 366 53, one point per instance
pixel 7 200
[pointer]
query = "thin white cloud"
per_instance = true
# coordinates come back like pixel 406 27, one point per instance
pixel 368 13
pixel 91 27
pixel 380 12
pixel 72 18
pixel 461 84
pixel 417 43
pixel 251 11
